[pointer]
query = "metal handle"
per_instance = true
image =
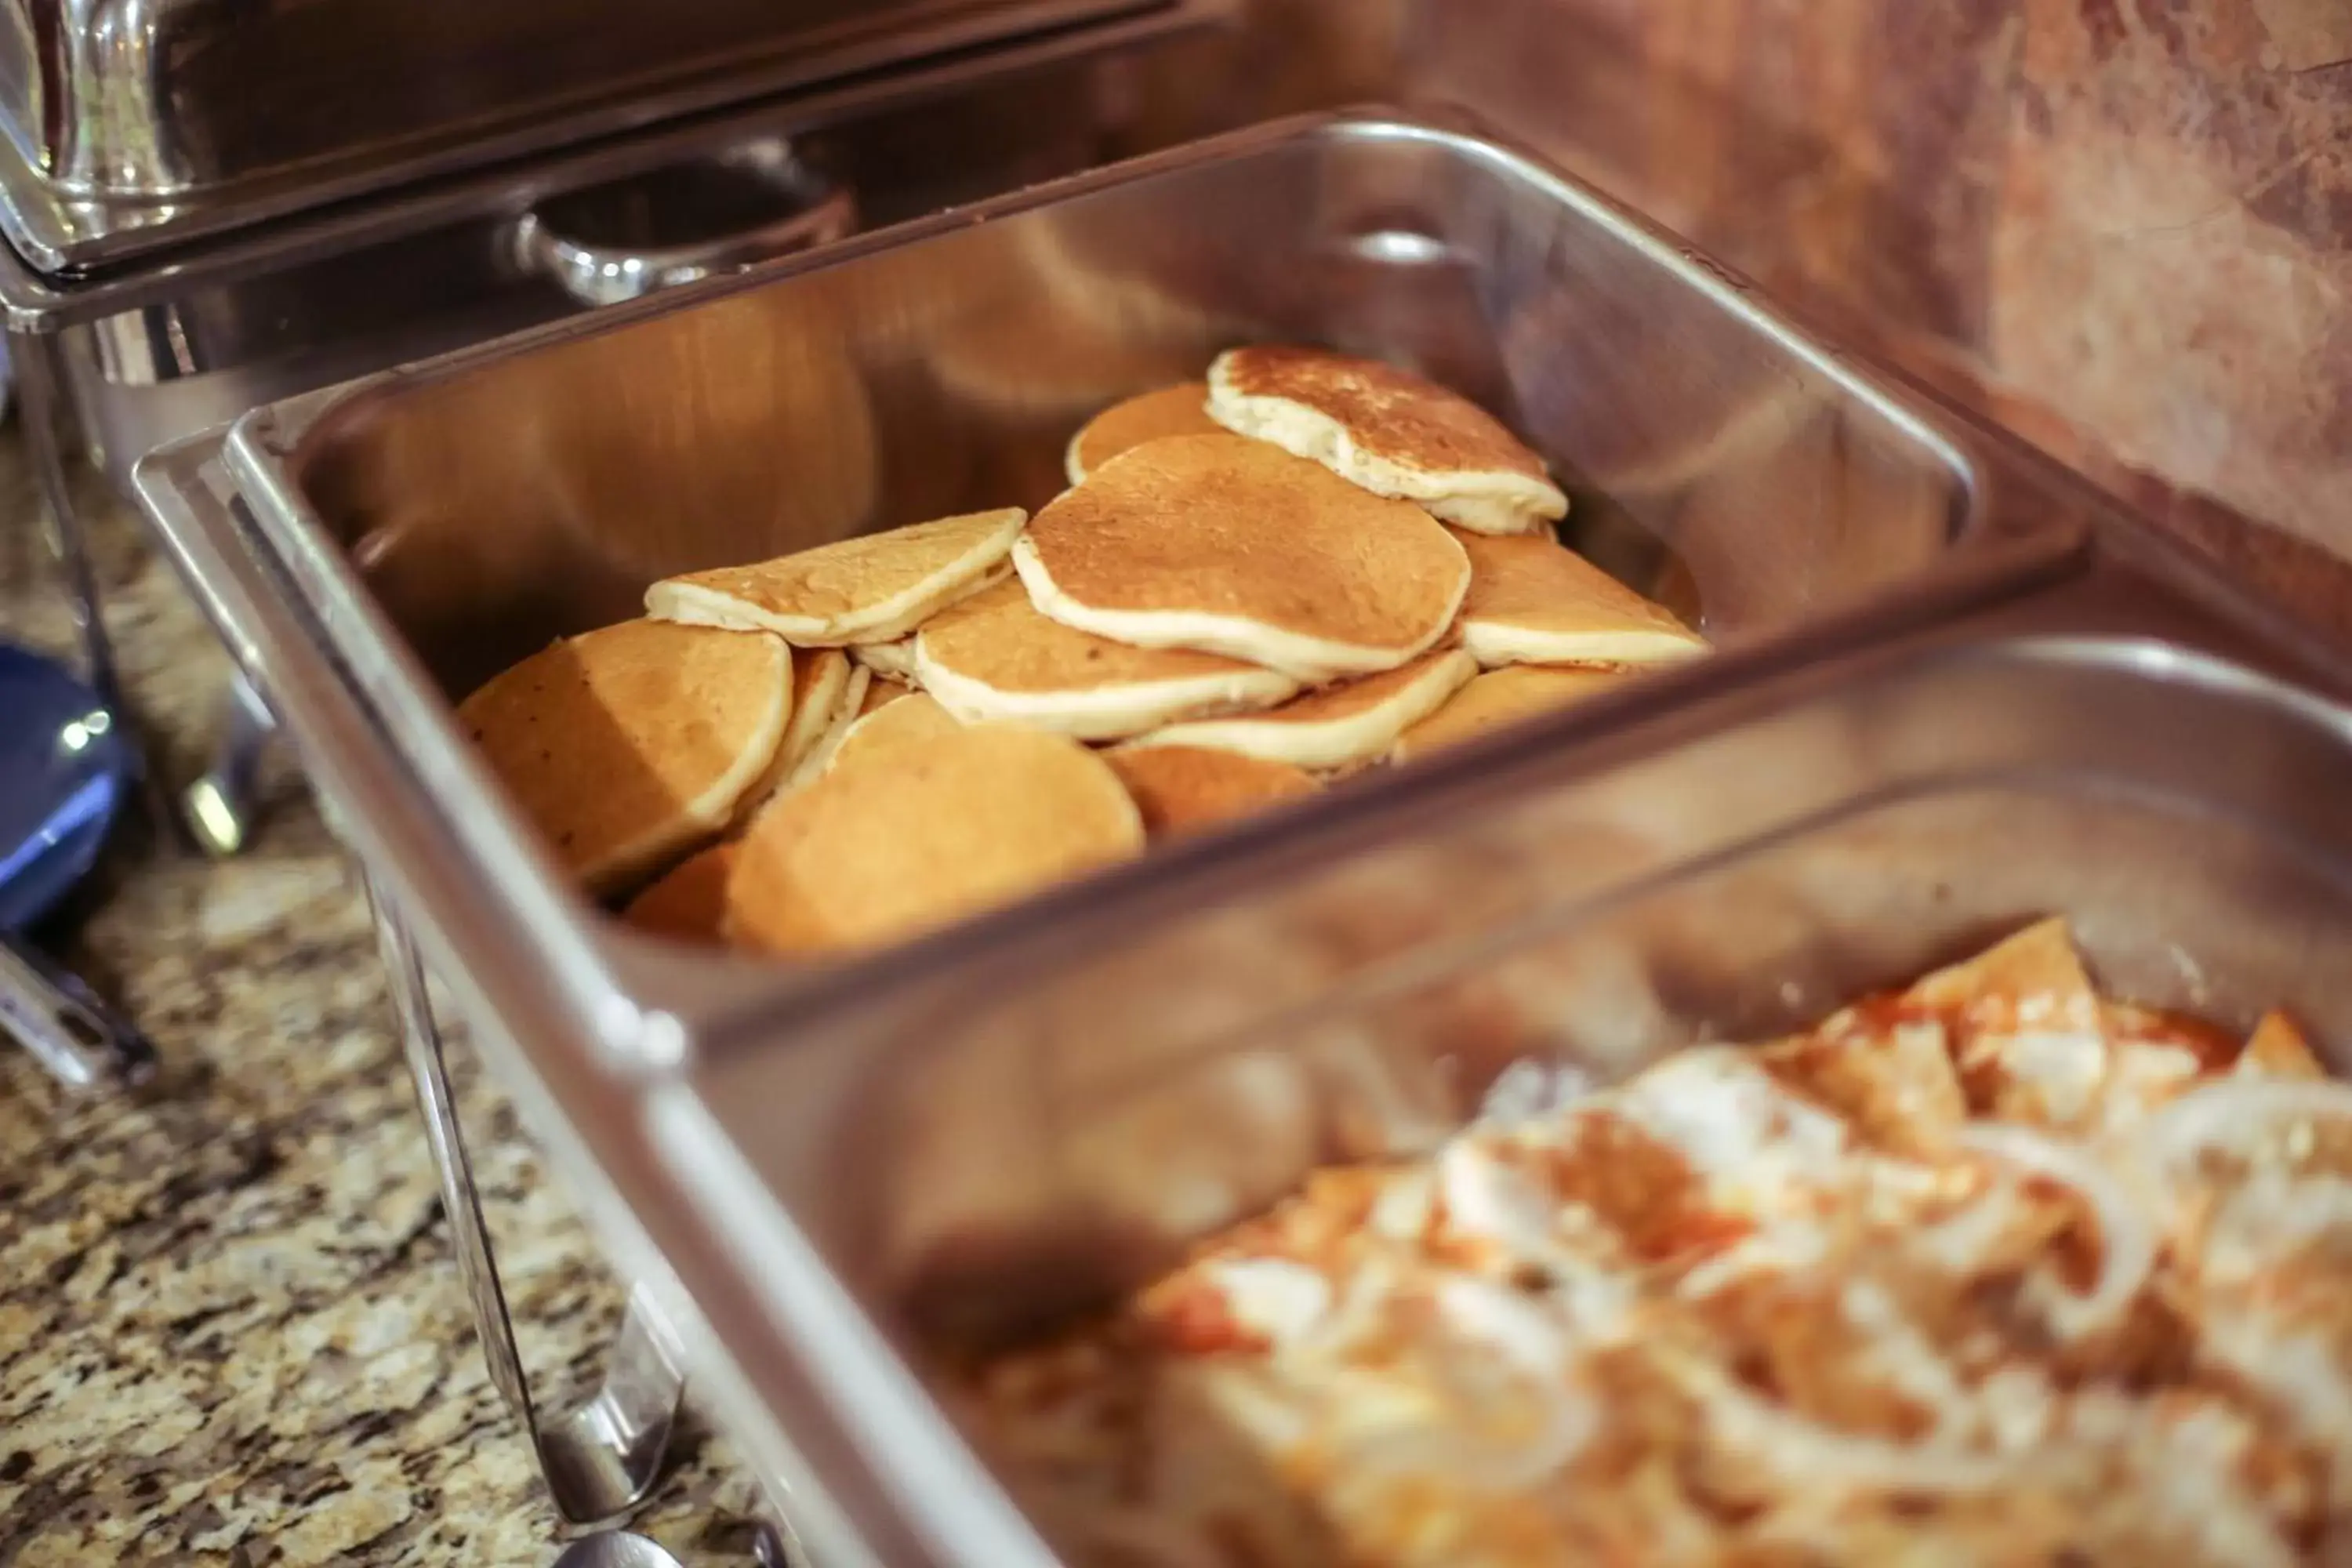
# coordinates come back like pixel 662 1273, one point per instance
pixel 82 1041
pixel 794 208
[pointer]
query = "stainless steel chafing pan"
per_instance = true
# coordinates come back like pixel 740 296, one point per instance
pixel 370 551
pixel 1033 1134
pixel 131 124
pixel 942 368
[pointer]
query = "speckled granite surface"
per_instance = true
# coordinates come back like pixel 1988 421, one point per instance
pixel 230 1332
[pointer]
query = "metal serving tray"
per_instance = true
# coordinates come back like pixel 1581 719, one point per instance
pixel 941 366
pixel 127 125
pixel 761 1145
pixel 1028 1137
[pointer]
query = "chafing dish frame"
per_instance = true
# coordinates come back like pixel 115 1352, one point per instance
pixel 597 1033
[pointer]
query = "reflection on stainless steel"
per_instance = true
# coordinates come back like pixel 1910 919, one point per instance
pixel 135 122
pixel 603 1457
pixel 220 807
pixel 623 241
pixel 942 372
pixel 155 353
pixel 614 1549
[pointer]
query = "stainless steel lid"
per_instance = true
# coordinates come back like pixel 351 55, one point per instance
pixel 132 125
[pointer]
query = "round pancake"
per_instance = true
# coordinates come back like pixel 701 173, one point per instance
pixel 954 824
pixel 881 692
pixel 893 659
pixel 1181 410
pixel 1532 601
pixel 1233 546
pixel 873 588
pixel 1388 430
pixel 918 717
pixel 814 757
pixel 630 744
pixel 1343 726
pixel 1501 698
pixel 896 719
pixel 827 688
pixel 1182 789
pixel 993 658
pixel 690 903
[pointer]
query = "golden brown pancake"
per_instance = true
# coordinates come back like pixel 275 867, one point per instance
pixel 630 744
pixel 951 826
pixel 1395 433
pixel 917 717
pixel 1499 699
pixel 1339 727
pixel 1181 410
pixel 826 690
pixel 1531 601
pixel 872 736
pixel 1181 789
pixel 870 589
pixel 690 903
pixel 893 659
pixel 1235 547
pixel 993 658
pixel 847 705
pixel 881 692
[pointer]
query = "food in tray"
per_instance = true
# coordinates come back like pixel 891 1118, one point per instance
pixel 1389 431
pixel 1531 602
pixel 882 692
pixel 690 903
pixel 1340 728
pixel 630 745
pixel 1233 546
pixel 897 840
pixel 891 724
pixel 874 588
pixel 1994 1270
pixel 1182 789
pixel 1180 410
pixel 894 659
pixel 1500 697
pixel 827 691
pixel 996 657
pixel 1260 619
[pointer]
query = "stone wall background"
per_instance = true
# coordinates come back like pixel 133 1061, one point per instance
pixel 2123 226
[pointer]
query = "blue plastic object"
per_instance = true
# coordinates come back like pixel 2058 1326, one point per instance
pixel 65 768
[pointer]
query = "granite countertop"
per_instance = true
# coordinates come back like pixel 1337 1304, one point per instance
pixel 230 1328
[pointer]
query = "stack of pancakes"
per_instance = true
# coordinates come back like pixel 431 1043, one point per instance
pixel 1307 565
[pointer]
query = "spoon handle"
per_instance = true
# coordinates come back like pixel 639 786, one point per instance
pixel 82 1041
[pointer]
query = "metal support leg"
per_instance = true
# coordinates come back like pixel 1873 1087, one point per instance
pixel 49 424
pixel 47 420
pixel 602 1459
